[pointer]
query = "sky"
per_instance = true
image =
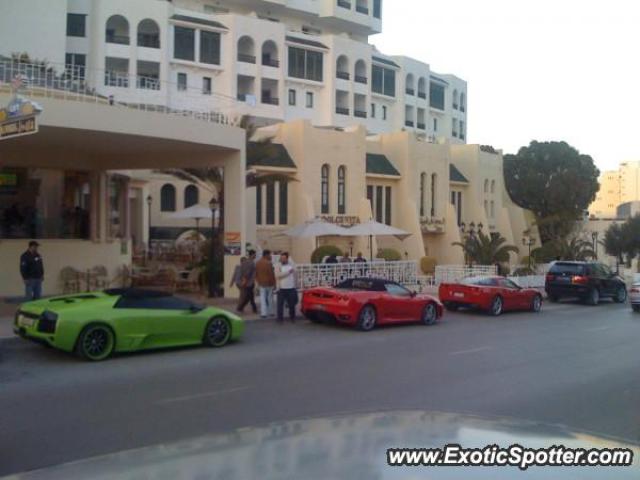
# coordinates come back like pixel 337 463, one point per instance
pixel 536 70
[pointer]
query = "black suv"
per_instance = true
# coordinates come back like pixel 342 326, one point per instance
pixel 589 281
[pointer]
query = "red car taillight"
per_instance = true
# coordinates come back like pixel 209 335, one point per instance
pixel 634 290
pixel 550 278
pixel 579 280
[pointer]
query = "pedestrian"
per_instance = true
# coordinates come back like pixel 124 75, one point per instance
pixel 248 283
pixel 345 258
pixel 236 278
pixel 331 259
pixel 32 271
pixel 287 293
pixel 266 280
pixel 359 258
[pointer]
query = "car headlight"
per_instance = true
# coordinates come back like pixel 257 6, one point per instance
pixel 49 316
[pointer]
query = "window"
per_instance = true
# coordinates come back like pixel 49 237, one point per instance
pixel 305 64
pixel 373 110
pixel 284 203
pixel 206 85
pixel 154 302
pixel 387 205
pixel 168 198
pixel 377 8
pixel 454 129
pixel 117 30
pixel 379 204
pixel 184 44
pixel 309 99
pixel 462 131
pixel 486 208
pixel 182 82
pixel 191 196
pixel 493 186
pixel 271 203
pixel 493 209
pixel 486 186
pixel 259 204
pixel 76 25
pixel 209 47
pixel 292 97
pixel 148 34
pixel 384 112
pixel 383 81
pixel 396 290
pixel 436 95
pixel 370 197
pixel 434 183
pixel 435 124
pixel 342 176
pixel 423 186
pixel 75 66
pixel 324 189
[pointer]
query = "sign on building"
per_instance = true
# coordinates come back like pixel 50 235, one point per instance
pixel 19 117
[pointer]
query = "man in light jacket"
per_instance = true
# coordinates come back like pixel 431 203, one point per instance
pixel 287 293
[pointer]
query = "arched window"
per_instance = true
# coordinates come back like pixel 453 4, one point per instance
pixel 246 50
pixel 168 198
pixel 342 194
pixel 191 196
pixel 456 99
pixel 410 85
pixel 423 187
pixel 486 208
pixel 422 88
pixel 270 54
pixel 324 189
pixel 361 72
pixel 342 67
pixel 486 186
pixel 493 186
pixel 148 34
pixel 117 30
pixel 463 102
pixel 434 183
pixel 493 211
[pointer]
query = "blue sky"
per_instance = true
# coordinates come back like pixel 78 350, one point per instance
pixel 544 69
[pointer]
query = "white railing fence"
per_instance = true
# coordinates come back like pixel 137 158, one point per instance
pixel 455 273
pixel 328 275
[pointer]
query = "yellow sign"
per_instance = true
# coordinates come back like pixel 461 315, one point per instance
pixel 16 128
pixel 18 118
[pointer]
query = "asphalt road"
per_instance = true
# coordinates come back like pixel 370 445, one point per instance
pixel 572 365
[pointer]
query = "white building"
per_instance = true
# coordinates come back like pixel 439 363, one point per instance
pixel 275 60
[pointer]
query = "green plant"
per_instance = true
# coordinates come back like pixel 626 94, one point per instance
pixel 428 265
pixel 483 249
pixel 389 255
pixel 324 251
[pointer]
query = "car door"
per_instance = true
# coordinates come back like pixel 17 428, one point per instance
pixel 510 293
pixel 397 301
pixel 609 280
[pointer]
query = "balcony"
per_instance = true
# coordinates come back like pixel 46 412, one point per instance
pixel 343 75
pixel 360 114
pixel 410 91
pixel 148 40
pixel 270 101
pixel 409 123
pixel 270 62
pixel 116 79
pixel 422 126
pixel 344 4
pixel 147 83
pixel 118 39
pixel 246 58
pixel 362 9
pixel 360 79
pixel 342 111
pixel 422 95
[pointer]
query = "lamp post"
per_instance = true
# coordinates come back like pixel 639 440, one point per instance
pixel 351 248
pixel 467 235
pixel 213 205
pixel 148 252
pixel 529 242
pixel 594 237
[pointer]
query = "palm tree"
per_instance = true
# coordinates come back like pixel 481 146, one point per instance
pixel 483 249
pixel 571 249
pixel 212 179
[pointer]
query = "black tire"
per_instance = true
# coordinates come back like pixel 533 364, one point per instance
pixel 451 307
pixel 429 314
pixel 313 317
pixel 367 318
pixel 621 295
pixel 217 333
pixel 552 298
pixel 593 297
pixel 497 305
pixel 636 307
pixel 536 304
pixel 96 342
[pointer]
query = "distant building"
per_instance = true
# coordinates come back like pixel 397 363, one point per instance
pixel 616 187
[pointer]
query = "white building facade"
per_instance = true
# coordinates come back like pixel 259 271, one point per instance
pixel 274 60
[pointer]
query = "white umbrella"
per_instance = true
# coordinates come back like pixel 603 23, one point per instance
pixel 316 228
pixel 195 212
pixel 376 229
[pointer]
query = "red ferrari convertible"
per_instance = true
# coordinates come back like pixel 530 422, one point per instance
pixel 492 294
pixel 367 302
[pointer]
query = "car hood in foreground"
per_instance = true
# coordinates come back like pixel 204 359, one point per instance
pixel 349 447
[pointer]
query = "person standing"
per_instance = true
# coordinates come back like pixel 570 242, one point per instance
pixel 236 279
pixel 287 293
pixel 266 280
pixel 360 258
pixel 32 271
pixel 248 283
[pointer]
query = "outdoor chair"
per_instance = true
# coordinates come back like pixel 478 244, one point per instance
pixel 71 280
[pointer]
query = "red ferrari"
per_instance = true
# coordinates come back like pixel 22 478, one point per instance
pixel 492 294
pixel 367 302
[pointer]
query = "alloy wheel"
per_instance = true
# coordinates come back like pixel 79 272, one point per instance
pixel 537 303
pixel 429 314
pixel 96 343
pixel 218 332
pixel 367 318
pixel 496 306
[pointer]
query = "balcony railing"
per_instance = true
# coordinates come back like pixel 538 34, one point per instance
pixel 116 79
pixel 409 123
pixel 422 95
pixel 361 79
pixel 270 101
pixel 422 126
pixel 119 39
pixel 270 62
pixel 360 113
pixel 410 91
pixel 243 96
pixel 148 40
pixel 342 75
pixel 342 111
pixel 362 9
pixel 344 4
pixel 147 83
pixel 242 57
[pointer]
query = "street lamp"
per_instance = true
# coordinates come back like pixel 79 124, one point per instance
pixel 149 202
pixel 594 237
pixel 468 234
pixel 529 242
pixel 213 205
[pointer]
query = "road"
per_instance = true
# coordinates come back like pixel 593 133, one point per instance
pixel 571 365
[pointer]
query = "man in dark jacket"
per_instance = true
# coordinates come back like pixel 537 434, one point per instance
pixel 32 271
pixel 248 283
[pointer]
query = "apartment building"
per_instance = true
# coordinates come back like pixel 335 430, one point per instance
pixel 617 187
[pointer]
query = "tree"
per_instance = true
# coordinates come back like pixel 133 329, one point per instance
pixel 571 248
pixel 553 180
pixel 484 249
pixel 623 240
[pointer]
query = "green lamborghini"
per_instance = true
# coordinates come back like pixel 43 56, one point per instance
pixel 95 325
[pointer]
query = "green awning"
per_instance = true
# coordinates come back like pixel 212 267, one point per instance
pixel 456 175
pixel 380 165
pixel 268 155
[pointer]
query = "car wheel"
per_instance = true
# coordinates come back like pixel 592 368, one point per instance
pixel 452 307
pixel 636 307
pixel 367 319
pixel 621 295
pixel 313 317
pixel 429 314
pixel 594 297
pixel 536 303
pixel 95 343
pixel 496 306
pixel 217 333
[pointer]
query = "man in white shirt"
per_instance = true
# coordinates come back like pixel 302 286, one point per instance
pixel 287 293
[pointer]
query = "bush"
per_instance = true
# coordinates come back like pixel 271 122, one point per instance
pixel 389 254
pixel 428 265
pixel 326 250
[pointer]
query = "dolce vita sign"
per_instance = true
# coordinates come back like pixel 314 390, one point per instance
pixel 18 118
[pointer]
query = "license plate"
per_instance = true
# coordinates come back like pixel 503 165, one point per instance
pixel 563 279
pixel 25 321
pixel 458 295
